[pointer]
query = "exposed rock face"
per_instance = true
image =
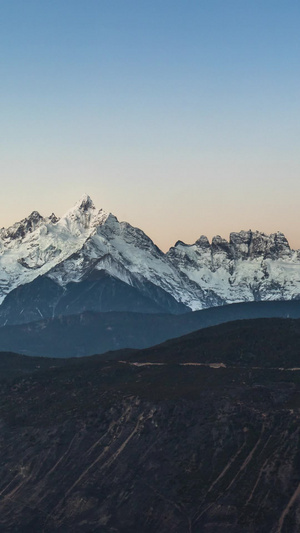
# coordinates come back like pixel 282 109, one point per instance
pixel 202 242
pixel 20 229
pixel 247 244
pixel 251 266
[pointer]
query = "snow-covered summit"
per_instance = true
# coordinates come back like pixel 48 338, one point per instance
pixel 85 202
pixel 249 266
pixel 36 244
pixel 83 216
pixel 20 229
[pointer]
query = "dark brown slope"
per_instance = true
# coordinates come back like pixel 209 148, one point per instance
pixel 113 447
pixel 269 342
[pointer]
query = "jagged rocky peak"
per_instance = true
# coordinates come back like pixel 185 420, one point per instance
pixel 84 214
pixel 277 246
pixel 85 203
pixel 248 244
pixel 257 244
pixel 203 242
pixel 281 243
pixel 179 243
pixel 53 218
pixel 268 246
pixel 240 238
pixel 34 217
pixel 240 243
pixel 179 250
pixel 20 229
pixel 218 244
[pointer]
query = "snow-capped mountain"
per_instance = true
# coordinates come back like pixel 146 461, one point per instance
pixel 32 247
pixel 251 266
pixel 88 249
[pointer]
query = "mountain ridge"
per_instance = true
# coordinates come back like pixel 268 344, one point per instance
pixel 250 266
pixel 91 332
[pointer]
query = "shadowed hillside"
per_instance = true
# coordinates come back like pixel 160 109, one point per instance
pixel 104 445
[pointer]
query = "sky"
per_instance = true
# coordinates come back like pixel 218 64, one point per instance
pixel 181 117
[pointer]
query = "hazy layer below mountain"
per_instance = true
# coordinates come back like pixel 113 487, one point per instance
pixel 90 333
pixel 112 446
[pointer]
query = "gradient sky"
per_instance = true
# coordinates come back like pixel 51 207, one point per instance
pixel 181 117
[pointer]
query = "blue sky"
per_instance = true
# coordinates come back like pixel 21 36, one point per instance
pixel 181 117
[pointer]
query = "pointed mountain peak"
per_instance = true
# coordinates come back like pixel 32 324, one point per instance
pixel 20 229
pixel 203 242
pixel 53 218
pixel 179 243
pixel 83 215
pixel 84 203
pixel 34 216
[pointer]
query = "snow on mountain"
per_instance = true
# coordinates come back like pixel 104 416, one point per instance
pixel 251 266
pixel 35 245
pixel 128 254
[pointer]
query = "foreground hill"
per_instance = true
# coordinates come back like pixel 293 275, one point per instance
pixel 261 343
pixel 90 333
pixel 125 445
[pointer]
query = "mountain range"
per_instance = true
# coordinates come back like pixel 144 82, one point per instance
pixel 89 261
pixel 200 433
